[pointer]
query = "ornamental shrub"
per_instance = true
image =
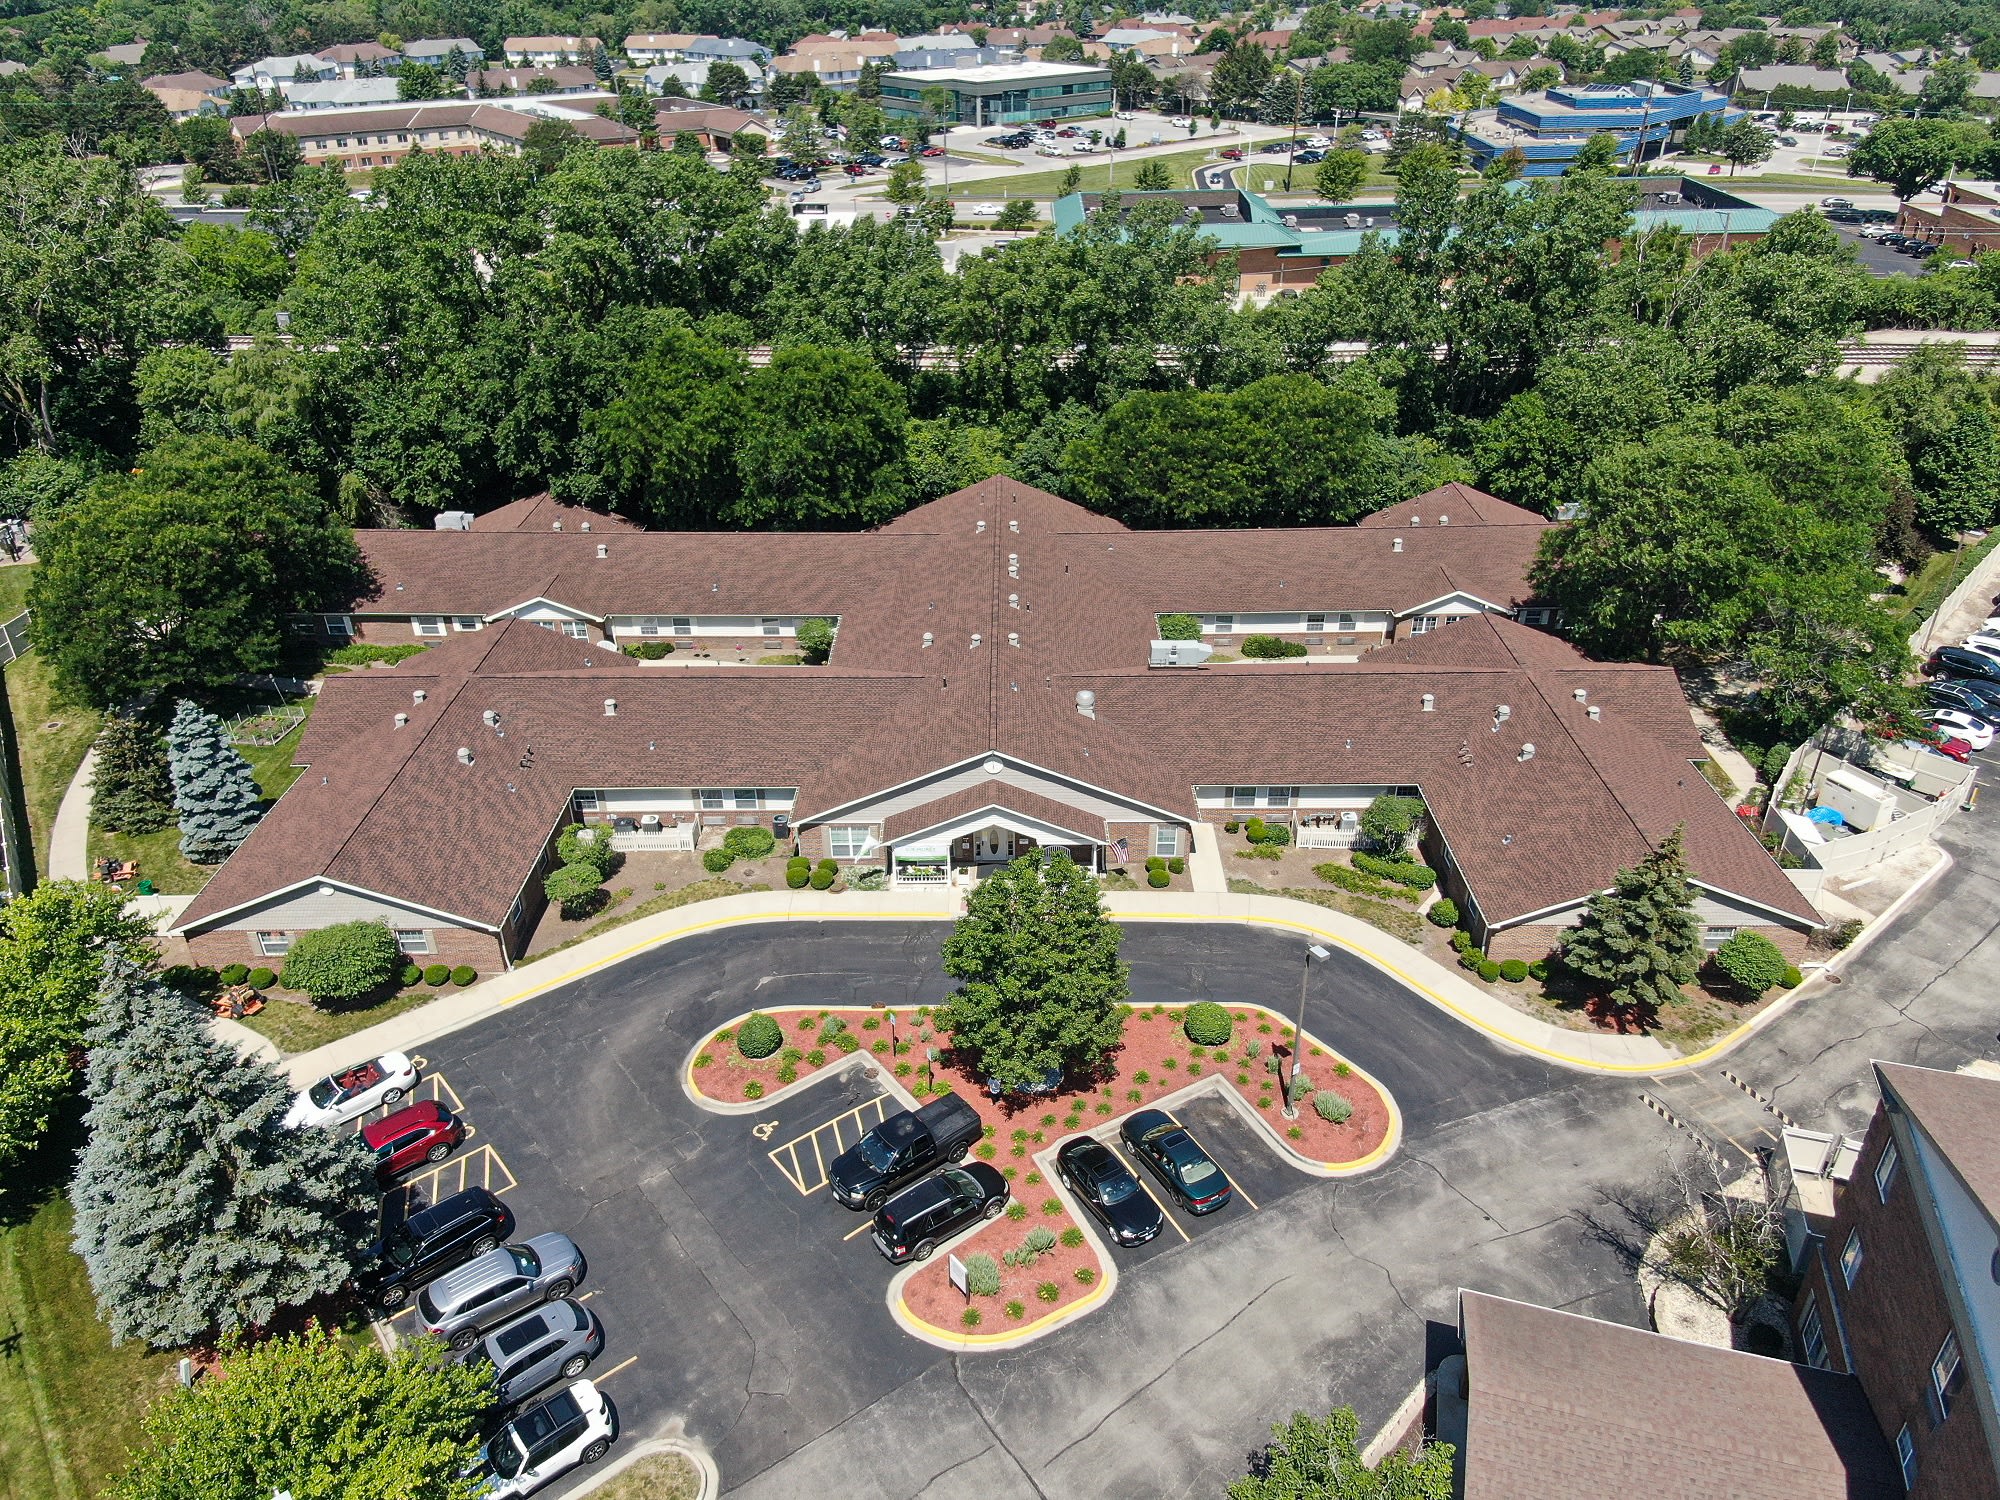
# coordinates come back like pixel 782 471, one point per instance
pixel 1277 834
pixel 815 641
pixel 577 889
pixel 578 845
pixel 828 866
pixel 759 1036
pixel 260 978
pixel 1513 970
pixel 824 874
pixel 1331 1107
pixel 1040 1241
pixel 749 843
pixel 1443 912
pixel 1793 978
pixel 1388 822
pixel 754 1089
pixel 1156 863
pixel 1539 970
pixel 1403 871
pixel 715 861
pixel 1752 962
pixel 1253 830
pixel 343 962
pixel 1158 879
pixel 234 973
pixel 982 1275
pixel 1270 648
pixel 463 975
pixel 1362 884
pixel 436 974
pixel 1176 865
pixel 1207 1024
pixel 650 650
pixel 1489 969
pixel 797 873
pixel 1180 627
pixel 412 975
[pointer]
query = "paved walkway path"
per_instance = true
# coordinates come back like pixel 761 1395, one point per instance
pixel 69 840
pixel 1205 859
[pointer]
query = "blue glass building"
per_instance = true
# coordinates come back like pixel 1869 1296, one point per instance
pixel 1550 129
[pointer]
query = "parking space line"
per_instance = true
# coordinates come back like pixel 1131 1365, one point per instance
pixel 818 1160
pixel 588 1295
pixel 480 1167
pixel 432 1088
pixel 1147 1188
pixel 1239 1191
pixel 808 1184
pixel 407 1307
pixel 625 1364
pixel 862 1228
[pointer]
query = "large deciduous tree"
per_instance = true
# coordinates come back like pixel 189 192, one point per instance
pixel 1041 985
pixel 197 1211
pixel 317 1417
pixel 1319 1458
pixel 1909 155
pixel 1640 941
pixel 178 578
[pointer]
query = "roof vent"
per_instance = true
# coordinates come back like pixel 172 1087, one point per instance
pixel 465 755
pixel 492 718
pixel 416 695
pixel 1013 525
pixel 1416 520
pixel 1444 520
pixel 978 528
pixel 1013 638
pixel 1527 753
pixel 927 640
pixel 555 526
pixel 1013 601
pixel 401 720
pixel 1429 702
pixel 1396 544
pixel 1594 712
pixel 585 526
pixel 1501 715
pixel 975 643
pixel 610 708
pixel 453 520
pixel 603 550
pixel 1086 703
pixel 1013 565
pixel 1179 654
pixel 1582 695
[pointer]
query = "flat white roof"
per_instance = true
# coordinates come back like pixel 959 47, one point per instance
pixel 1003 73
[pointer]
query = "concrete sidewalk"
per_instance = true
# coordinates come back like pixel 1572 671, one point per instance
pixel 69 840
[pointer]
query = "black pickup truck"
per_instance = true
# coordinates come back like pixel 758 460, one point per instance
pixel 903 1146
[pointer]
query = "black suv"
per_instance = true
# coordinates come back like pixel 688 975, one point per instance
pixel 909 1225
pixel 430 1242
pixel 1956 661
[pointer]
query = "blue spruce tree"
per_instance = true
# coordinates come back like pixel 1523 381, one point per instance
pixel 197 1212
pixel 214 792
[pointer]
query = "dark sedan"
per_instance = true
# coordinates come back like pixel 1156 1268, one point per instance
pixel 1176 1158
pixel 1974 695
pixel 1108 1189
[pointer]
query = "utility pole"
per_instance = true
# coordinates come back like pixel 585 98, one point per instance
pixel 1313 952
pixel 1298 105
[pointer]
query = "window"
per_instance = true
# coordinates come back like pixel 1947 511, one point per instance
pixel 1166 841
pixel 576 629
pixel 1714 937
pixel 772 627
pixel 367 161
pixel 1344 622
pixel 467 622
pixel 1537 616
pixel 588 802
pixel 1222 624
pixel 711 797
pixel 850 842
pixel 1243 796
pixel 337 624
pixel 1315 624
pixel 747 798
pixel 1280 796
pixel 428 624
pixel 1885 1171
pixel 1906 1456
pixel 413 940
pixel 1424 624
pixel 1850 1257
pixel 649 627
pixel 303 627
pixel 683 625
pixel 1812 1335
pixel 274 944
pixel 1947 1375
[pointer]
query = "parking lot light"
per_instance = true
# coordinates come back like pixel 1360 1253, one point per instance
pixel 1313 952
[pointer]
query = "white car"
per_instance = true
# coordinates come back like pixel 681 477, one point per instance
pixel 1984 643
pixel 1179 122
pixel 1317 143
pixel 1836 203
pixel 353 1091
pixel 1124 114
pixel 1975 732
pixel 574 1426
pixel 983 211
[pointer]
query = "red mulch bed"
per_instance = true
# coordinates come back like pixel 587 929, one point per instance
pixel 728 1073
pixel 930 1295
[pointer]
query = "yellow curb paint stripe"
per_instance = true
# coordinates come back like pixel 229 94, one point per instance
pixel 1012 1335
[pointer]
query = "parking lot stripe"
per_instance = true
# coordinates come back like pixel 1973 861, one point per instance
pixel 808 1184
pixel 407 1307
pixel 1239 1191
pixel 625 1364
pixel 818 1159
pixel 588 1295
pixel 1147 1187
pixel 862 1228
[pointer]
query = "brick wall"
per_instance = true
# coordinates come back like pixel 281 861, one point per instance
pixel 451 945
pixel 1535 940
pixel 1896 1317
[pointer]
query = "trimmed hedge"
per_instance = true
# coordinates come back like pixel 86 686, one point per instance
pixel 1513 970
pixel 759 1036
pixel 715 861
pixel 1793 978
pixel 234 973
pixel 1180 627
pixel 1157 862
pixel 650 650
pixel 1254 829
pixel 412 975
pixel 749 843
pixel 1540 970
pixel 1270 648
pixel 1176 865
pixel 436 974
pixel 260 978
pixel 463 975
pixel 1489 969
pixel 797 873
pixel 1158 879
pixel 1206 1024
pixel 1443 912
pixel 1403 871
pixel 343 962
pixel 1349 879
pixel 824 874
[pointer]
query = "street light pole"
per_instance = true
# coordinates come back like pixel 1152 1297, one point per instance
pixel 1313 951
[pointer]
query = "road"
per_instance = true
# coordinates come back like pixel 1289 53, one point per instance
pixel 752 1325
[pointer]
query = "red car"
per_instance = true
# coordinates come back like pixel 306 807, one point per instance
pixel 1958 750
pixel 855 169
pixel 1232 153
pixel 426 1132
pixel 932 151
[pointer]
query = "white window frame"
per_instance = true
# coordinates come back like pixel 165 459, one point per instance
pixel 587 802
pixel 1343 623
pixel 1424 624
pixel 850 840
pixel 771 628
pixel 1906 1456
pixel 1315 624
pixel 1166 841
pixel 1222 624
pixel 576 630
pixel 338 625
pixel 746 798
pixel 467 622
pixel 1243 796
pixel 712 798
pixel 1947 1374
pixel 1851 1256
pixel 1886 1167
pixel 1280 796
pixel 683 625
pixel 427 625
pixel 1812 1334
pixel 649 627
pixel 273 944
pixel 1714 937
pixel 414 940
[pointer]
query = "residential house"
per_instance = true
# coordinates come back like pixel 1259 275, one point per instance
pixel 1126 38
pixel 1896 1238
pixel 1170 47
pixel 125 54
pixel 550 51
pixel 341 93
pixel 185 95
pixel 962 720
pixel 381 137
pixel 880 45
pixel 9 67
pixel 487 82
pixel 690 78
pixel 834 70
pixel 647 49
pixel 268 75
pixel 945 41
pixel 728 49
pixel 1277 42
pixel 436 52
pixel 713 125
pixel 362 59
pixel 1751 82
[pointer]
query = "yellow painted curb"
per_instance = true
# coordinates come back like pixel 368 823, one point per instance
pixel 1047 1321
pixel 708 1101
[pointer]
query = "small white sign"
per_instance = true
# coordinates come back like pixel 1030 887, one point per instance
pixel 958 1279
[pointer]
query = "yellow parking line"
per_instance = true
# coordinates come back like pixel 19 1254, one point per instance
pixel 1239 1191
pixel 818 1159
pixel 588 1295
pixel 864 1227
pixel 407 1307
pixel 1147 1188
pixel 629 1361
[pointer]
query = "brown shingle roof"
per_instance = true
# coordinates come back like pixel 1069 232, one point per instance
pixel 1562 1407
pixel 544 512
pixel 1961 1113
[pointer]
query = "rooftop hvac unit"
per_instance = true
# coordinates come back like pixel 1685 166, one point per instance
pixel 453 520
pixel 1180 654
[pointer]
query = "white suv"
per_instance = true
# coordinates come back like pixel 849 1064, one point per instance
pixel 574 1426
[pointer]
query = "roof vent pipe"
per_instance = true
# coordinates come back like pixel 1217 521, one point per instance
pixel 1013 601
pixel 927 640
pixel 1429 702
pixel 1527 753
pixel 417 695
pixel 603 550
pixel 1013 525
pixel 1013 638
pixel 610 708
pixel 1594 712
pixel 1582 695
pixel 464 755
pixel 975 642
pixel 492 718
pixel 555 526
pixel 401 720
pixel 979 528
pixel 1444 520
pixel 585 526
pixel 1416 520
pixel 1501 715
pixel 1395 544
pixel 1086 703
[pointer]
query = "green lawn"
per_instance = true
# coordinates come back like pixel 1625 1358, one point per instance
pixel 1180 167
pixel 158 854
pixel 53 736
pixel 297 1027
pixel 69 1402
pixel 14 588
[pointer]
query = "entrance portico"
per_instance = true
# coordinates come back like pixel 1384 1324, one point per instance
pixel 966 847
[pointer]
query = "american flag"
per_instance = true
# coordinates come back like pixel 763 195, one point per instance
pixel 1120 852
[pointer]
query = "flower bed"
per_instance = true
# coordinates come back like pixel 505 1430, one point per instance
pixel 812 1040
pixel 1027 1292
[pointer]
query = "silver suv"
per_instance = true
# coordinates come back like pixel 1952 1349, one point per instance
pixel 554 1342
pixel 489 1290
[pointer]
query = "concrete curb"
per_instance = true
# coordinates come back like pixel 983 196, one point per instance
pixel 711 1477
pixel 859 1062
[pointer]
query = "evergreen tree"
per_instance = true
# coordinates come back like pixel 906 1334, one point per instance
pixel 131 791
pixel 197 1211
pixel 1641 940
pixel 214 792
pixel 1041 979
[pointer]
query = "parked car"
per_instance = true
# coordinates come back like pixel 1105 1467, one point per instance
pixel 1123 114
pixel 413 1135
pixel 1788 140
pixel 555 1342
pixel 1836 203
pixel 354 1091
pixel 1067 132
pixel 932 151
pixel 1958 750
pixel 1894 239
pixel 1318 142
pixel 1176 1158
pixel 913 1223
pixel 1962 725
pixel 892 143
pixel 1096 1174
pixel 1982 642
pixel 853 169
pixel 1179 122
pixel 574 1426
pixel 459 1304
pixel 1980 699
pixel 1232 153
pixel 430 1242
pixel 905 1145
pixel 1950 661
pixel 1307 158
